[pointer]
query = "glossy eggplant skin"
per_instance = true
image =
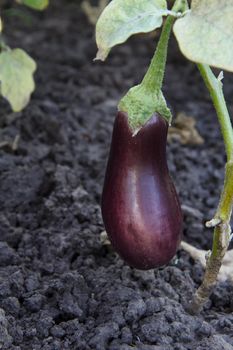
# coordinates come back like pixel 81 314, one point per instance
pixel 140 207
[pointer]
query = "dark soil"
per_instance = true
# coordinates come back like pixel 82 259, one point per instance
pixel 60 287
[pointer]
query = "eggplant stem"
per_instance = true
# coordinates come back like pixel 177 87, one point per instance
pixel 153 80
pixel 221 220
pixel 146 99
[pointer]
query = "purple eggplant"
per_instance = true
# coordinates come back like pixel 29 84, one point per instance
pixel 140 207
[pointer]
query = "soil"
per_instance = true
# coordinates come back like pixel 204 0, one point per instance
pixel 60 287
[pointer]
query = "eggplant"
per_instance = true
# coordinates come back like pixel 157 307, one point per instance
pixel 140 206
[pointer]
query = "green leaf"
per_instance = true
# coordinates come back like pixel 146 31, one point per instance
pixel 36 4
pixel 16 77
pixel 123 18
pixel 205 33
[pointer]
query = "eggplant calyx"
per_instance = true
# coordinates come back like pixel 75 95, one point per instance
pixel 140 104
pixel 143 100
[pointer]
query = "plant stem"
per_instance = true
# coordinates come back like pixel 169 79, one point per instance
pixel 214 86
pixel 153 79
pixel 221 220
pixel 145 99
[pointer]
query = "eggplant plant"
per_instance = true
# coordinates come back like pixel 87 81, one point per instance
pixel 140 207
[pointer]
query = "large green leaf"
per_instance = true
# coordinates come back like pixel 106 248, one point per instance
pixel 205 34
pixel 36 4
pixel 16 77
pixel 123 18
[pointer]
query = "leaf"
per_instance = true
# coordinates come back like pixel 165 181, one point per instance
pixel 123 18
pixel 35 4
pixel 16 77
pixel 205 33
pixel 184 130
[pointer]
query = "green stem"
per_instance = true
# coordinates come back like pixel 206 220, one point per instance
pixel 145 99
pixel 214 86
pixel 153 79
pixel 221 220
pixel 225 205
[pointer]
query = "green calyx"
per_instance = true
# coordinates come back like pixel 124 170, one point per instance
pixel 140 105
pixel 143 100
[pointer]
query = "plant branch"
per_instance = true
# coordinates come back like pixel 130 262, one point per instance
pixel 221 220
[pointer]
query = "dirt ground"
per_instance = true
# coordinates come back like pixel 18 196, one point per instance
pixel 60 287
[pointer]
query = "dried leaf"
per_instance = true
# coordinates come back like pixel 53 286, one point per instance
pixel 226 271
pixel 183 130
pixel 93 12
